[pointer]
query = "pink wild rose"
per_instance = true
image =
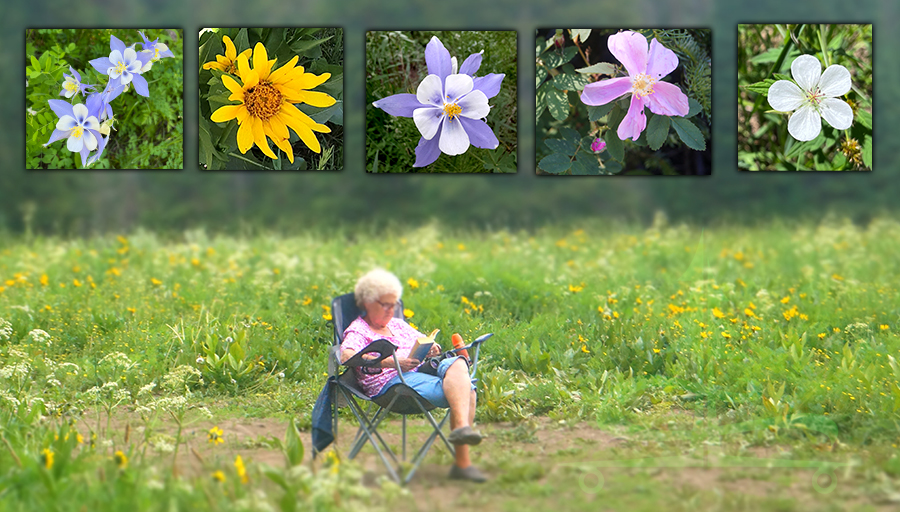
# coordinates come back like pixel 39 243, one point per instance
pixel 598 145
pixel 645 71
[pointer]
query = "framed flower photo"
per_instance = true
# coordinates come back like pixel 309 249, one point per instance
pixel 441 102
pixel 271 99
pixel 623 101
pixel 805 97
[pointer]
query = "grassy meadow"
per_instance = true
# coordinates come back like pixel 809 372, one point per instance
pixel 131 364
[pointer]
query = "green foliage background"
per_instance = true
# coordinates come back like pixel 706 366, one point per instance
pixel 148 132
pixel 395 63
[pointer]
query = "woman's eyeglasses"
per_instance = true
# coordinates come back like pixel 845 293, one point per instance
pixel 388 306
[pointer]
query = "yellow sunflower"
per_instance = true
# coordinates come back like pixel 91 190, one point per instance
pixel 227 62
pixel 267 104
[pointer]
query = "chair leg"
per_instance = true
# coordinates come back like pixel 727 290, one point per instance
pixel 404 438
pixel 365 426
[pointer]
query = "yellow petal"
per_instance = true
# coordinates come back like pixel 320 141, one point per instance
pixel 316 99
pixel 306 135
pixel 283 70
pixel 226 113
pixel 232 85
pixel 280 136
pixel 259 135
pixel 245 136
pixel 261 61
pixel 308 81
pixel 292 111
pixel 212 65
pixel 248 76
pixel 230 50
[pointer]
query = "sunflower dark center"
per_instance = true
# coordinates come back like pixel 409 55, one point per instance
pixel 263 100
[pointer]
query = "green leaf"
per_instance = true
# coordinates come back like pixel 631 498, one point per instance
pixel 555 163
pixel 540 99
pixel 567 82
pixel 694 107
pixel 293 444
pixel 760 87
pixel 595 113
pixel 689 133
pixel 767 57
pixel 242 41
pixel 614 145
pixel 600 68
pixel 304 45
pixel 657 131
pixel 864 118
pixel 867 151
pixel 540 75
pixel 557 103
pixel 581 34
pixel 585 165
pixel 565 147
pixel 35 63
pixel 555 58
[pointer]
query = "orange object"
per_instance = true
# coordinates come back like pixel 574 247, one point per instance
pixel 458 342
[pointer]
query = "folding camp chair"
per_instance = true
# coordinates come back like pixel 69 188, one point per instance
pixel 399 398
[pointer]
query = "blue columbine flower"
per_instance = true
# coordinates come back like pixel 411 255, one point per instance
pixel 156 49
pixel 78 125
pixel 449 105
pixel 124 66
pixel 72 84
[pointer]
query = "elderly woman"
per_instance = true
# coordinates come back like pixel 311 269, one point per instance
pixel 377 294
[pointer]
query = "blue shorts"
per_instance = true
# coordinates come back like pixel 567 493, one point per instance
pixel 429 386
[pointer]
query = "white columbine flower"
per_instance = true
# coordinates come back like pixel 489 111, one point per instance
pixel 814 99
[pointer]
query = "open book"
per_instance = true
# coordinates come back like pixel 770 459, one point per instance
pixel 423 346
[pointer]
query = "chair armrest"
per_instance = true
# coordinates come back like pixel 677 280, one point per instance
pixel 382 347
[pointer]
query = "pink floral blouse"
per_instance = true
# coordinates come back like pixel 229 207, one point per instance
pixel 358 335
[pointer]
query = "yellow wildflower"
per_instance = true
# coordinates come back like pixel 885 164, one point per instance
pixel 241 470
pixel 216 436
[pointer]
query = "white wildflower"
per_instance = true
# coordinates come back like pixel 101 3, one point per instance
pixel 40 337
pixel 6 330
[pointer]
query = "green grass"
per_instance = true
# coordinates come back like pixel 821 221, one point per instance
pixel 671 336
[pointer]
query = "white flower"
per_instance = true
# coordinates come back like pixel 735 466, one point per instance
pixel 40 337
pixel 446 103
pixel 200 360
pixel 814 99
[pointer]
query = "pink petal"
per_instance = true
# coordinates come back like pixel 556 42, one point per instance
pixel 668 100
pixel 662 60
pixel 635 121
pixel 604 91
pixel 631 50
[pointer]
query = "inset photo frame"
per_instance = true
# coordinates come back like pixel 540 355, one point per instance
pixel 805 96
pixel 441 102
pixel 614 101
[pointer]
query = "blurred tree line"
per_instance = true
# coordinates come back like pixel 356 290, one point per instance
pixel 77 203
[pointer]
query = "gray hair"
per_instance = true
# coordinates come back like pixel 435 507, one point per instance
pixel 374 284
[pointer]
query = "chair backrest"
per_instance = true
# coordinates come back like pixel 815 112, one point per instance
pixel 344 311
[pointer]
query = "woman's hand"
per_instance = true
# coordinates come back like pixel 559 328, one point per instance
pixel 435 350
pixel 408 364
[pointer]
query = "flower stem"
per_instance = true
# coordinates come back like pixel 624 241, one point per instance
pixel 823 45
pixel 239 157
pixel 580 52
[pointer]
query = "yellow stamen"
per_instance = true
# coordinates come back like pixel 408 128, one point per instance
pixel 70 86
pixel 452 110
pixel 263 100
pixel 643 84
pixel 120 68
pixel 77 132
